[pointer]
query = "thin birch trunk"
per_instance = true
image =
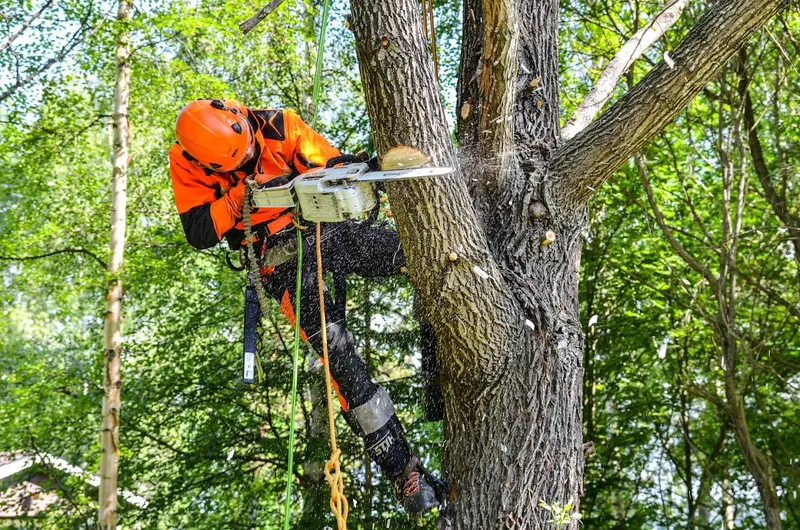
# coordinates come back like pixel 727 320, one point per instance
pixel 109 433
pixel 728 510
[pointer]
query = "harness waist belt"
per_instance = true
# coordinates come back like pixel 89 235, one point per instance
pixel 272 227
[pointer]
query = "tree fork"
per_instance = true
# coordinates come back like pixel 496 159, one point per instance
pixel 512 393
pixel 583 163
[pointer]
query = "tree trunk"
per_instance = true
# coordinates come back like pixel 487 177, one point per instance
pixel 728 509
pixel 757 464
pixel 109 433
pixel 512 393
pixel 494 249
pixel 728 330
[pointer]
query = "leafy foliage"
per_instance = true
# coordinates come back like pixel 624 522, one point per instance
pixel 208 452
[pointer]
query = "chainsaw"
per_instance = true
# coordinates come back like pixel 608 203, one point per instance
pixel 335 194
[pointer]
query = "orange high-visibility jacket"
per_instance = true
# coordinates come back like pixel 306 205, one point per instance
pixel 286 147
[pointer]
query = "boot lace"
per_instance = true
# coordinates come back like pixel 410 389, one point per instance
pixel 412 484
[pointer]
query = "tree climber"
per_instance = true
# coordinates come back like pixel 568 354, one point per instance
pixel 220 144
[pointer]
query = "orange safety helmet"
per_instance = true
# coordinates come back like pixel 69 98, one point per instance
pixel 215 132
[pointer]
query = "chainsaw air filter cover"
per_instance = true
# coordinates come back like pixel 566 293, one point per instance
pixel 334 194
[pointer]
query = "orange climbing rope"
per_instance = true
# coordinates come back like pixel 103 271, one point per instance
pixel 333 474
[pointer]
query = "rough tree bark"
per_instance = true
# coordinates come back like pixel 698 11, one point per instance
pixel 505 309
pixel 109 432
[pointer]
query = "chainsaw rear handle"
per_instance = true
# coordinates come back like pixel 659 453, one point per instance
pixel 373 163
pixel 343 159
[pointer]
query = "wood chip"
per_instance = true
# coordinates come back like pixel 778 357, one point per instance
pixel 466 108
pixel 480 272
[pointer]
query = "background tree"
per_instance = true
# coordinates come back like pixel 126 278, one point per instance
pixel 112 340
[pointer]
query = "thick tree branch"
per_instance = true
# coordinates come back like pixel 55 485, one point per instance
pixel 497 75
pixel 467 124
pixel 253 21
pixel 583 163
pixel 537 113
pixel 603 89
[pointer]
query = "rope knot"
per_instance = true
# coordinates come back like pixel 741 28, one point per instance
pixel 333 475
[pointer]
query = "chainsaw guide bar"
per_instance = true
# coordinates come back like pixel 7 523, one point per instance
pixel 330 195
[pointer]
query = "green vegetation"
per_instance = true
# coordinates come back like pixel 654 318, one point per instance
pixel 208 452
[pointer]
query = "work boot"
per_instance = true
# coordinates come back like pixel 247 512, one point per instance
pixel 415 491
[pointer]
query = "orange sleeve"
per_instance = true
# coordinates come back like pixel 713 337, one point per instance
pixel 187 182
pixel 193 192
pixel 311 149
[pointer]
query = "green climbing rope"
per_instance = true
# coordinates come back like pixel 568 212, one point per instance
pixel 318 67
pixel 295 355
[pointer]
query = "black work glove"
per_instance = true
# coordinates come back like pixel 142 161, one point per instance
pixel 275 182
pixel 373 163
pixel 342 160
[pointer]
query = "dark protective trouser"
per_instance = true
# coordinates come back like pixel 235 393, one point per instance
pixel 347 248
